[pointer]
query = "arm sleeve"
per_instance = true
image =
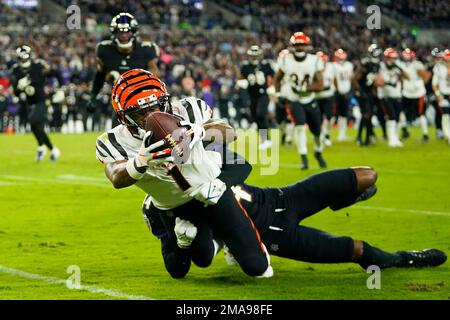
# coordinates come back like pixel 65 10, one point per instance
pixel 235 171
pixel 108 150
pixel 99 80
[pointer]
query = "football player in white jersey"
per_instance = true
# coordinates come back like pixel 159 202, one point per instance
pixel 304 73
pixel 325 98
pixel 441 88
pixel 389 80
pixel 283 117
pixel 343 78
pixel 413 90
pixel 183 188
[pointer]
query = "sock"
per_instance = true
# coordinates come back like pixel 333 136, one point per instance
pixel 375 256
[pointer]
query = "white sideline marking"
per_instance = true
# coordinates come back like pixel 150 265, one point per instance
pixel 91 289
pixel 435 213
pixel 63 179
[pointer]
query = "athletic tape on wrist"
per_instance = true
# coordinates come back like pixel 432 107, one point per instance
pixel 132 170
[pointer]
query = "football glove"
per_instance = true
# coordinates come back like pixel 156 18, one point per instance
pixel 209 193
pixel 137 166
pixel 195 131
pixel 185 232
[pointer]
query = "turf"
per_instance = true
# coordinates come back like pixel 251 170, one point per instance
pixel 54 215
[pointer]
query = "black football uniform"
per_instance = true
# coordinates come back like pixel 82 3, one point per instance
pixel 368 100
pixel 114 62
pixel 256 76
pixel 28 84
pixel 276 213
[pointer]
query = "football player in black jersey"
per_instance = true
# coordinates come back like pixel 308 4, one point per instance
pixel 28 81
pixel 276 213
pixel 365 91
pixel 256 76
pixel 123 52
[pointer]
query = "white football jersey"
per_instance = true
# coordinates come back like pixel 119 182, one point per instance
pixel 392 82
pixel 413 87
pixel 441 78
pixel 344 73
pixel 298 74
pixel 328 82
pixel 164 181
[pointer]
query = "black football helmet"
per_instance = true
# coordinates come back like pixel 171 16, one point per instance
pixel 24 56
pixel 124 30
pixel 254 54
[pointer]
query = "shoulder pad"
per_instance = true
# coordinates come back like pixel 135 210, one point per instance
pixel 245 63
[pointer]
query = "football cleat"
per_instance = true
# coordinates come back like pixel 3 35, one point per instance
pixel 320 159
pixel 229 258
pixel 425 138
pixel 41 153
pixel 421 258
pixel 304 165
pixel 55 154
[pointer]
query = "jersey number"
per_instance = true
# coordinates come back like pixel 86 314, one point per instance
pixel 299 86
pixel 256 78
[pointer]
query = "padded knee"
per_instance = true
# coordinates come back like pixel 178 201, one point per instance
pixel 254 265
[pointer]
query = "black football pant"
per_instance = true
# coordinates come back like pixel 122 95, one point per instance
pixel 284 208
pixel 366 104
pixel 37 116
pixel 229 221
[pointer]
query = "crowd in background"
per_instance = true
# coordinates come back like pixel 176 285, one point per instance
pixel 198 56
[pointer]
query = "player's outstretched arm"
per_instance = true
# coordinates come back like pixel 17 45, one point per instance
pixel 118 175
pixel 124 173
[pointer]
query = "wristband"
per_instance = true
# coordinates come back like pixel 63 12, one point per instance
pixel 133 171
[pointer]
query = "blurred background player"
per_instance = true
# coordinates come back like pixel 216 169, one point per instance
pixel 441 88
pixel 343 77
pixel 325 98
pixel 283 117
pixel 390 81
pixel 28 79
pixel 434 58
pixel 413 90
pixel 121 53
pixel 366 93
pixel 256 75
pixel 304 73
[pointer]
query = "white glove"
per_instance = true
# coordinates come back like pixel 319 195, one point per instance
pixel 195 131
pixel 209 193
pixel 185 232
pixel 145 154
pixel 137 166
pixel 23 83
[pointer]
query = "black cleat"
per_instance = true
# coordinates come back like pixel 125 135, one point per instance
pixel 405 133
pixel 304 165
pixel 320 159
pixel 420 258
pixel 425 138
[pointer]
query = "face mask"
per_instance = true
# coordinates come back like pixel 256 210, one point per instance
pixel 300 54
pixel 26 64
pixel 127 45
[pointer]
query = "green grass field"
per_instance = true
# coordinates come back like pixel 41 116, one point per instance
pixel 54 215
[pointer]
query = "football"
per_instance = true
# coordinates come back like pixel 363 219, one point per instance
pixel 166 127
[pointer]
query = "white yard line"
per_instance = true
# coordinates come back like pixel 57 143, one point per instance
pixel 92 289
pixel 70 179
pixel 427 212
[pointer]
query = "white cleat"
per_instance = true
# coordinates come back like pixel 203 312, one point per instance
pixel 229 258
pixel 55 154
pixel 41 153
